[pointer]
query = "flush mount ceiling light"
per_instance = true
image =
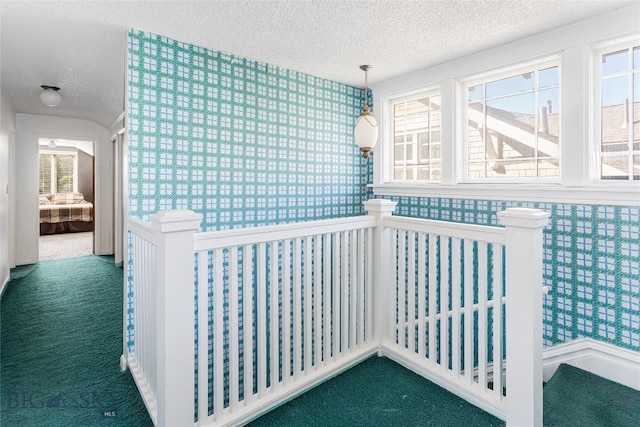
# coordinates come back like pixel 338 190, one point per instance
pixel 50 96
pixel 366 130
pixel 52 143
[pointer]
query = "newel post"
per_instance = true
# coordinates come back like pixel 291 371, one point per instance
pixel 524 245
pixel 381 208
pixel 174 315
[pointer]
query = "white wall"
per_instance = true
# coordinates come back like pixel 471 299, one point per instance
pixel 29 128
pixel 120 182
pixel 7 134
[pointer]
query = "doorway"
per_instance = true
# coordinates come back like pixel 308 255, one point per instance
pixel 66 184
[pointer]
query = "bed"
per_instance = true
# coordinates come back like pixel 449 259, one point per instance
pixel 65 213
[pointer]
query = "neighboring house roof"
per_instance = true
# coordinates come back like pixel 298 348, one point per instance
pixel 516 129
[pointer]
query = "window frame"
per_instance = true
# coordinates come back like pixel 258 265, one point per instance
pixel 595 160
pixel 388 140
pixel 463 129
pixel 54 183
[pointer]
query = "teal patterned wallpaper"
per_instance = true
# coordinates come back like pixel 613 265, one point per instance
pixel 591 263
pixel 242 142
pixel 246 144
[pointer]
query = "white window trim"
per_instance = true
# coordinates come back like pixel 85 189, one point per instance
pixel 573 44
pixel 504 72
pixel 601 194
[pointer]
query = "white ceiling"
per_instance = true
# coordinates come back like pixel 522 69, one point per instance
pixel 80 45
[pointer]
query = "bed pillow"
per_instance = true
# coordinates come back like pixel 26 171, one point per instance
pixel 45 199
pixel 68 198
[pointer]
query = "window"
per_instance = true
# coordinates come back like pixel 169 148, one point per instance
pixel 513 125
pixel 550 118
pixel 57 173
pixel 416 138
pixel 618 115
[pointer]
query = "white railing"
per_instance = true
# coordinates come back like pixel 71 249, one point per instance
pixel 282 308
pixel 449 296
pixel 291 303
pixel 142 363
pixel 163 300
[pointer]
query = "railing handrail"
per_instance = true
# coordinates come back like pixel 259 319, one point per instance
pixel 482 233
pixel 211 240
pixel 251 235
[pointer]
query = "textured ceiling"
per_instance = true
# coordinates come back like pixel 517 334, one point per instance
pixel 80 46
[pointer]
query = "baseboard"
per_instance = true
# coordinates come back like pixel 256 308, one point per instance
pixel 605 360
pixel 5 282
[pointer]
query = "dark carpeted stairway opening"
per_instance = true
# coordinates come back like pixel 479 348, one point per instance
pixel 574 397
pixel 378 392
pixel 61 340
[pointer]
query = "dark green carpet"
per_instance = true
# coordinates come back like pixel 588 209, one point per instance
pixel 61 340
pixel 378 392
pixel 574 397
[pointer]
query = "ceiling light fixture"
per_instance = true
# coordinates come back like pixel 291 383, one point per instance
pixel 50 96
pixel 366 129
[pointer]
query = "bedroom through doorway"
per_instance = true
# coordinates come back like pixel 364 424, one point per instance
pixel 66 198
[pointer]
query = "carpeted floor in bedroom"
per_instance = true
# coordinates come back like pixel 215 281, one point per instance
pixel 66 245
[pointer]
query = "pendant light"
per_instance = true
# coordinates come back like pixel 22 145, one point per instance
pixel 366 129
pixel 50 96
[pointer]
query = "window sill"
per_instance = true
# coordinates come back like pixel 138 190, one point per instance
pixel 595 194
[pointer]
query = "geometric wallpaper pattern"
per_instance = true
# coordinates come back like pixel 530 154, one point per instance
pixel 246 143
pixel 241 142
pixel 591 264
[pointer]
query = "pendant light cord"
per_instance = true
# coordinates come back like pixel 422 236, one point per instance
pixel 366 88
